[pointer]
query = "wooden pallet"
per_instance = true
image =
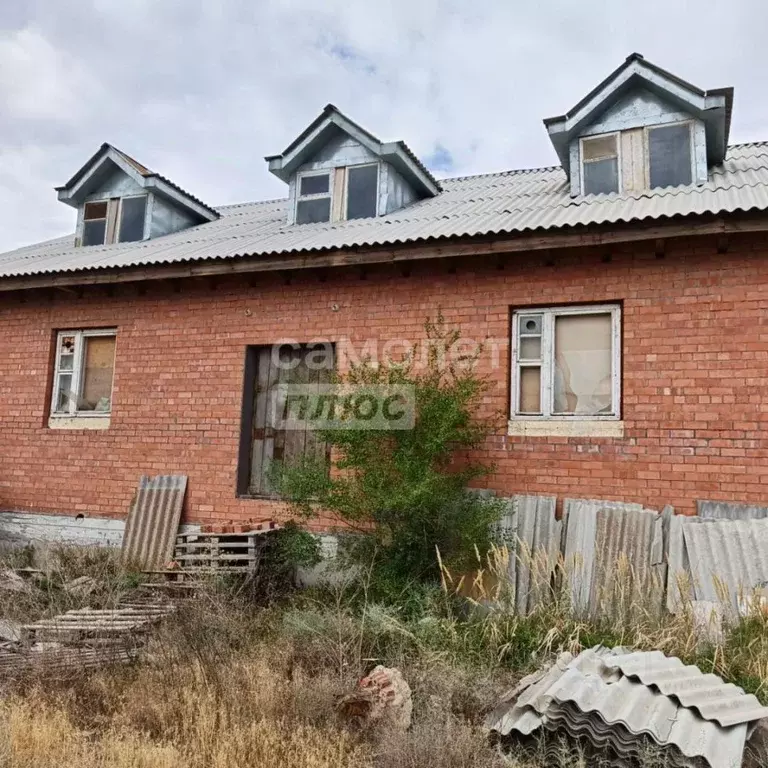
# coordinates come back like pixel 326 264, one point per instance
pixel 219 552
pixel 51 661
pixel 98 626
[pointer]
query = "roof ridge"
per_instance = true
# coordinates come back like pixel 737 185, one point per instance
pixel 508 172
pixel 748 144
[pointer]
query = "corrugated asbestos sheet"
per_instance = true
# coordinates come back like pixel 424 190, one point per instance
pixel 532 534
pixel 153 520
pixel 723 510
pixel 614 552
pixel 726 558
pixel 590 697
pixel 715 560
pixel 723 703
pixel 512 202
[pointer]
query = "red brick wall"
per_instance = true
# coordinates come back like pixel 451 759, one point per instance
pixel 695 375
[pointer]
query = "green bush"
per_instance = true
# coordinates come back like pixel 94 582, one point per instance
pixel 404 491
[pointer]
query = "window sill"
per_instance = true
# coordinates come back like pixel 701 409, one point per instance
pixel 565 428
pixel 79 422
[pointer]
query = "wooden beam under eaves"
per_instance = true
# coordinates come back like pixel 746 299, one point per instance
pixel 553 241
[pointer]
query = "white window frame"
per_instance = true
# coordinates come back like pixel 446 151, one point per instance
pixel 547 363
pixel 105 219
pixel 77 372
pixel 647 148
pixel 619 178
pixel 347 169
pixel 119 222
pixel 320 196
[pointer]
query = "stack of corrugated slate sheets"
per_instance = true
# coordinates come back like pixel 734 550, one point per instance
pixel 632 704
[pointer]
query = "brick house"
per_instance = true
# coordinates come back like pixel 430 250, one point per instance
pixel 622 295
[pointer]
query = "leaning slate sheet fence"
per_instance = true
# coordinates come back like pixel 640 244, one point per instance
pixel 613 556
pixel 532 534
pixel 717 560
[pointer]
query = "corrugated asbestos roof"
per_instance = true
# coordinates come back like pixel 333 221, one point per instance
pixel 592 696
pixel 511 202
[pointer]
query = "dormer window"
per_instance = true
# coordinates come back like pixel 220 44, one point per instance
pixel 119 220
pixel 338 171
pixel 119 200
pixel 600 164
pixel 669 155
pixel 339 194
pixel 642 129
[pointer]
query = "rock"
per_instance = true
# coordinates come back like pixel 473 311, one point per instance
pixel 382 697
pixel 12 582
pixel 81 586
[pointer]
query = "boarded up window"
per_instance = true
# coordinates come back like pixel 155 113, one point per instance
pixel 98 372
pixel 269 441
pixel 669 155
pixel 600 163
pixel 566 361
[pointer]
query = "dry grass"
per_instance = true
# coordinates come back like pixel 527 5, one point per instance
pixel 228 684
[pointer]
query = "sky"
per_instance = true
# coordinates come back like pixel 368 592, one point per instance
pixel 201 91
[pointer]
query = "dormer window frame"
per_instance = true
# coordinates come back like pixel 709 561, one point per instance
pixel 337 193
pixel 113 221
pixel 647 150
pixel 582 162
pixel 346 170
pixel 300 198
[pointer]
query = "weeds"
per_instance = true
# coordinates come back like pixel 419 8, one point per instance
pixel 231 682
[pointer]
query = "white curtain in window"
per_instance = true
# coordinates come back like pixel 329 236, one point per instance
pixel 583 364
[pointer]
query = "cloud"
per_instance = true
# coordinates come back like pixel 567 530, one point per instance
pixel 202 91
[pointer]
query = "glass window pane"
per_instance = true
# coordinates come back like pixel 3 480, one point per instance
pixel 94 231
pixel 669 155
pixel 583 364
pixel 599 148
pixel 601 176
pixel 313 211
pixel 530 348
pixel 362 191
pixel 315 185
pixel 64 393
pixel 530 390
pixel 98 370
pixel 132 210
pixel 95 211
